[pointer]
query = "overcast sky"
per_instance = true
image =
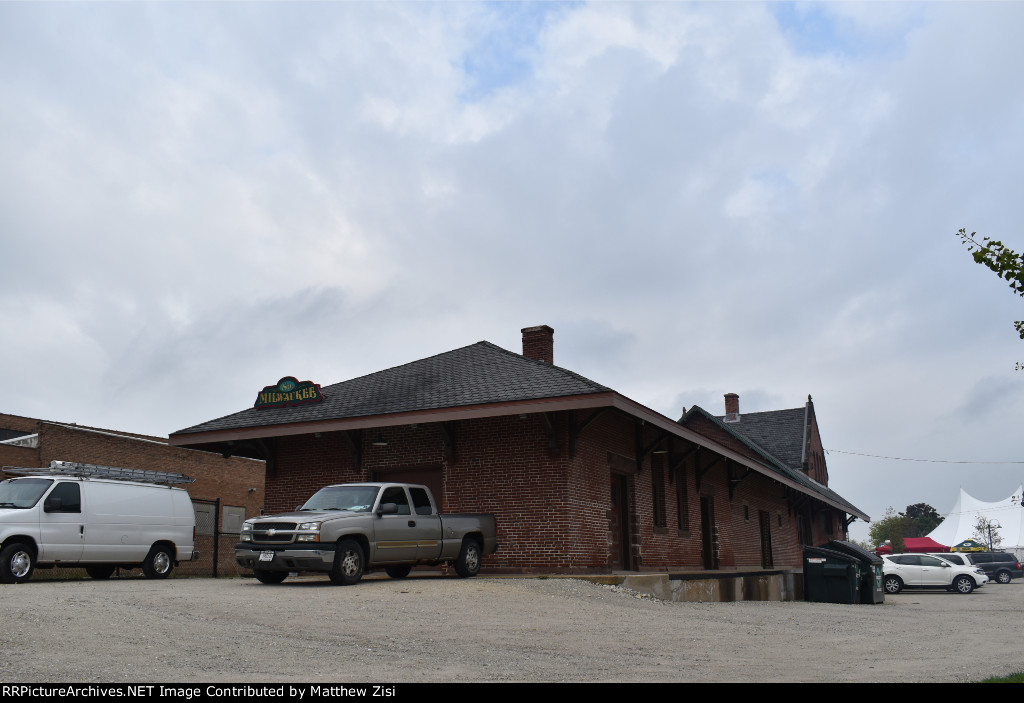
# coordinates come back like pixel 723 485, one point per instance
pixel 197 199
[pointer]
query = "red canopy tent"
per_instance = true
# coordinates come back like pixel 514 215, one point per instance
pixel 917 545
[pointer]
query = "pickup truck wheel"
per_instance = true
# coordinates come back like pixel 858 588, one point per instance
pixel 1003 577
pixel 270 576
pixel 159 562
pixel 963 584
pixel 17 561
pixel 99 572
pixel 349 563
pixel 468 563
pixel 398 572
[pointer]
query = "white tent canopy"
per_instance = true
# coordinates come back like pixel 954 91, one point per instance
pixel 959 524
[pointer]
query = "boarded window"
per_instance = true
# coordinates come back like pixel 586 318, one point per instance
pixel 206 518
pixel 232 519
pixel 658 489
pixel 682 500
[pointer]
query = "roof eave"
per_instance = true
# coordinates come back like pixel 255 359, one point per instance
pixel 468 412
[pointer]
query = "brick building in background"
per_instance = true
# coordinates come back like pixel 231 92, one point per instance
pixel 225 492
pixel 580 478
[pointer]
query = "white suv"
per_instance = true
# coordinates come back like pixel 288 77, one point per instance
pixel 901 571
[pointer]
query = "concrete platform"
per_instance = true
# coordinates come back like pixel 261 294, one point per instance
pixel 705 586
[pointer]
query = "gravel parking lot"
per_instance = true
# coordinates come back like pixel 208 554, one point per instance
pixel 430 628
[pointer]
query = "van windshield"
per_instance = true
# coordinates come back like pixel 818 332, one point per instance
pixel 22 492
pixel 358 499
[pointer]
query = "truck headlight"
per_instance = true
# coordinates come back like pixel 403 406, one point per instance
pixel 313 527
pixel 246 534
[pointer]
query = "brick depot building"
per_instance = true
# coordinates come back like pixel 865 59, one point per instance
pixel 580 478
pixel 224 493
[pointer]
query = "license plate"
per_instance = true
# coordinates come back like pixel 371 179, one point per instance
pixel 266 556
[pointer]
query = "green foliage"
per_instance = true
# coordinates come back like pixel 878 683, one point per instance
pixel 1012 678
pixel 1001 260
pixel 925 518
pixel 891 528
pixel 917 521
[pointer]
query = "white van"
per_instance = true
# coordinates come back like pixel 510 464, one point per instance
pixel 68 519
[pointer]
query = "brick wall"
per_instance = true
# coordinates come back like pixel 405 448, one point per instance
pixel 553 510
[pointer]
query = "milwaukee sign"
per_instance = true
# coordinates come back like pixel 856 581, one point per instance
pixel 288 391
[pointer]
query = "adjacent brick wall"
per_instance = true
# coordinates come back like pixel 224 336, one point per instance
pixel 230 480
pixel 552 509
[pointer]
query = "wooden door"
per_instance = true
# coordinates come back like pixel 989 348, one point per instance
pixel 708 533
pixel 619 524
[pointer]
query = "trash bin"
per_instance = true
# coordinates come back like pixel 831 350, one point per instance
pixel 831 576
pixel 871 590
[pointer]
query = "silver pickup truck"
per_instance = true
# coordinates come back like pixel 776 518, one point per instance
pixel 349 528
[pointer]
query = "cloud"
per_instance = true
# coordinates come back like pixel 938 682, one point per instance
pixel 699 198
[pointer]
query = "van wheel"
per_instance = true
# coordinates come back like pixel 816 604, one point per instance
pixel 1003 577
pixel 270 576
pixel 348 563
pixel 159 562
pixel 17 561
pixel 100 572
pixel 468 563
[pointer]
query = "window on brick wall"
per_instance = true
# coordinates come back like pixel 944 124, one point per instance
pixel 12 434
pixel 658 488
pixel 682 500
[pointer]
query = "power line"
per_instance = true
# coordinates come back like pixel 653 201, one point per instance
pixel 929 461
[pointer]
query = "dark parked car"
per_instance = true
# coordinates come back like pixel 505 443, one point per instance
pixel 1000 566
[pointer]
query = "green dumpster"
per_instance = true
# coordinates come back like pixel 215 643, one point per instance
pixel 831 576
pixel 871 591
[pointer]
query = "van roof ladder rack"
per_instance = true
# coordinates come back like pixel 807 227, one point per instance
pixel 74 468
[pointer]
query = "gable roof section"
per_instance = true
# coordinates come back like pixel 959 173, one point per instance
pixel 480 374
pixel 778 432
pixel 784 425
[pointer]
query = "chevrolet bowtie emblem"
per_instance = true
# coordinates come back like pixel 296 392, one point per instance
pixel 271 533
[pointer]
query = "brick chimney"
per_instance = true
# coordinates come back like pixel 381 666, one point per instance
pixel 539 343
pixel 732 407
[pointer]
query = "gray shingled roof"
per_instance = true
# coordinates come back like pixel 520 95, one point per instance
pixel 481 373
pixel 778 432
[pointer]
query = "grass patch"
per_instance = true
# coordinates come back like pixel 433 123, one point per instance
pixel 1012 678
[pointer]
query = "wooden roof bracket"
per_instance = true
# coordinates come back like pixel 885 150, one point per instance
pixel 549 423
pixel 355 440
pixel 576 429
pixel 674 467
pixel 701 472
pixel 269 449
pixel 448 431
pixel 644 452
pixel 734 477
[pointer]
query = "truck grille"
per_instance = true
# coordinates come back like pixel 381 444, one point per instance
pixel 282 532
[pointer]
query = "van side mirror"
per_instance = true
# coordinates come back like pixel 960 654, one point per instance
pixel 52 505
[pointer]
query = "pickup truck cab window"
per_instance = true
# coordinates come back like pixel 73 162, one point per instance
pixel 421 501
pixel 396 495
pixel 357 499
